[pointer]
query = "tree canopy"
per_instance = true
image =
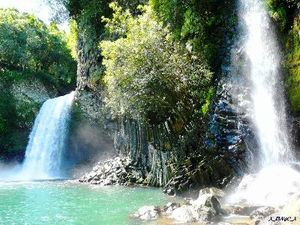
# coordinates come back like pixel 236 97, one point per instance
pixel 148 74
pixel 30 48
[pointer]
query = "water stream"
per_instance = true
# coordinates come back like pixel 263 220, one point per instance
pixel 276 179
pixel 44 152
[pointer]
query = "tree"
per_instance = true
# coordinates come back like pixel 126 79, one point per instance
pixel 150 76
pixel 203 24
pixel 29 48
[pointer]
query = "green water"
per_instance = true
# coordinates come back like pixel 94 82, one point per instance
pixel 71 203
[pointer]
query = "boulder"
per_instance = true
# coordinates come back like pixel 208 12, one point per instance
pixel 205 209
pixel 206 214
pixel 148 213
pixel 170 207
pixel 114 171
pixel 185 214
pixel 212 191
pixel 210 198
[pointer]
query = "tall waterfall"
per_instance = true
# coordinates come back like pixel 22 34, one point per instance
pixel 276 179
pixel 44 152
pixel 264 71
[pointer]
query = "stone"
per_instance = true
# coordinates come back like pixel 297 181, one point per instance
pixel 148 213
pixel 243 210
pixel 170 207
pixel 114 171
pixel 170 191
pixel 185 214
pixel 209 197
pixel 262 212
pixel 212 191
pixel 206 214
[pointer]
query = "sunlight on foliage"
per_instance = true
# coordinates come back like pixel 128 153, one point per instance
pixel 28 46
pixel 293 65
pixel 150 76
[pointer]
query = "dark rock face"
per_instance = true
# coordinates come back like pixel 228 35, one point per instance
pixel 89 59
pixel 121 171
pixel 199 172
pixel 130 138
pixel 230 132
pixel 144 146
pixel 26 97
pixel 149 147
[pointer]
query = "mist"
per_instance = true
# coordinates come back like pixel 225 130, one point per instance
pixel 87 145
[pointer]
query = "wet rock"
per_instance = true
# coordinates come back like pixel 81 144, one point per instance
pixel 205 209
pixel 262 213
pixel 170 207
pixel 185 214
pixel 243 210
pixel 196 172
pixel 148 213
pixel 169 191
pixel 210 198
pixel 119 170
pixel 212 191
pixel 206 214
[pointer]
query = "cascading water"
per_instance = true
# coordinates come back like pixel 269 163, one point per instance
pixel 268 106
pixel 276 180
pixel 44 152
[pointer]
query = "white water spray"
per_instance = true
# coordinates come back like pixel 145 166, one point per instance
pixel 276 180
pixel 44 152
pixel 268 105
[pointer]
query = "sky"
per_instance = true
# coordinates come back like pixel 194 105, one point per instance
pixel 36 7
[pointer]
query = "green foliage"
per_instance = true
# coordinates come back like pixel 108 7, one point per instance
pixel 13 122
pixel 149 76
pixel 29 50
pixel 209 96
pixel 293 66
pixel 88 13
pixel 282 12
pixel 28 46
pixel 203 24
pixel 72 38
pixel 7 109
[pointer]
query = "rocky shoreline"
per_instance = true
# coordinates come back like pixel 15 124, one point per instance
pixel 115 171
pixel 122 170
pixel 210 209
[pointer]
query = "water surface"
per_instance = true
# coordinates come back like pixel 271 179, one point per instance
pixel 65 202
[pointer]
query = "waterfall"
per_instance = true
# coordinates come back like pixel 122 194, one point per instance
pixel 276 179
pixel 44 152
pixel 268 107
